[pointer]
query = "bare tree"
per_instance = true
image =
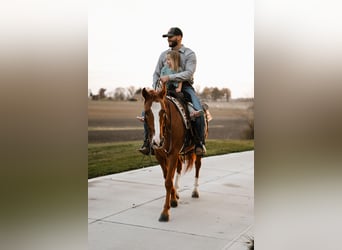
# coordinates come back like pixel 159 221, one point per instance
pixel 226 93
pixel 102 93
pixel 197 88
pixel 216 93
pixel 131 91
pixel 138 92
pixel 120 94
pixel 206 93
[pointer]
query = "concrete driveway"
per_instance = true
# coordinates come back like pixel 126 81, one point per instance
pixel 123 209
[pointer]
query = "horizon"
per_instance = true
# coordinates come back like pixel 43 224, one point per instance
pixel 125 41
pixel 137 87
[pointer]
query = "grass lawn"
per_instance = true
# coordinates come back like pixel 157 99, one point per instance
pixel 110 158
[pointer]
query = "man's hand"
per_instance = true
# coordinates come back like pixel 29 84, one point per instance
pixel 179 88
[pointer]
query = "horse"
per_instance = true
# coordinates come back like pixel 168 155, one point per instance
pixel 167 132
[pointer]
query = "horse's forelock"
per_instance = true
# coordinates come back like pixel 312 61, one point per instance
pixel 151 96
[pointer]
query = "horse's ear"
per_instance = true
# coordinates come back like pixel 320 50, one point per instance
pixel 144 92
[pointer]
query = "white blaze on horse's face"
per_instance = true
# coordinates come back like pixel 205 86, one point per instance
pixel 156 107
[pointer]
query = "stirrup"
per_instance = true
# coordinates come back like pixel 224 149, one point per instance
pixel 209 117
pixel 145 148
pixel 140 118
pixel 194 114
pixel 200 150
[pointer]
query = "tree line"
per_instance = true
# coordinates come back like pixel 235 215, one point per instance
pixel 133 94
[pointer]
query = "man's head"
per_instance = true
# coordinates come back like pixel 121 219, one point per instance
pixel 174 37
pixel 174 32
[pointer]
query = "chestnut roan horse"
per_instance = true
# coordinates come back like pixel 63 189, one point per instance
pixel 167 133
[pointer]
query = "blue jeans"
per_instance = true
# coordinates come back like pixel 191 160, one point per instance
pixel 194 99
pixel 145 127
pixel 199 123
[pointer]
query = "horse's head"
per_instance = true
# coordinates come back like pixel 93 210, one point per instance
pixel 154 106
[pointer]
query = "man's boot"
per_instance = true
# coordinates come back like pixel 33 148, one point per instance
pixel 145 148
pixel 200 143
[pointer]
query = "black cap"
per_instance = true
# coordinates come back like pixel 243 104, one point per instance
pixel 174 32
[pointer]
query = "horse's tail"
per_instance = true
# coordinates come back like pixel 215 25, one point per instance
pixel 190 158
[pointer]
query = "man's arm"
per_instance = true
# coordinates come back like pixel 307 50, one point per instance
pixel 189 70
pixel 179 88
pixel 157 71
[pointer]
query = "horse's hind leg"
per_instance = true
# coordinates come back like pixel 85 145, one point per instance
pixel 174 190
pixel 178 174
pixel 195 193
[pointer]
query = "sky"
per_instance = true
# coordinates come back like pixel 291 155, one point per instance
pixel 125 41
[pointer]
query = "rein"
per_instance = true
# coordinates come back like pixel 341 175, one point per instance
pixel 168 127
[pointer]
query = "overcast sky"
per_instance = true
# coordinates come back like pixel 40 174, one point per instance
pixel 125 41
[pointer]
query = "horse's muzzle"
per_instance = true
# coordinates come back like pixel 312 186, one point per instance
pixel 157 144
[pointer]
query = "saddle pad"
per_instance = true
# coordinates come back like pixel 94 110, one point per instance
pixel 181 110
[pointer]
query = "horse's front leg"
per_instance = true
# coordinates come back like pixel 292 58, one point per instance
pixel 174 190
pixel 195 193
pixel 162 161
pixel 170 191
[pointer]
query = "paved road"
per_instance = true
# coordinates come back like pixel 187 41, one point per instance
pixel 123 209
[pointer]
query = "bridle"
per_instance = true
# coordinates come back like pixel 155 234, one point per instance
pixel 165 120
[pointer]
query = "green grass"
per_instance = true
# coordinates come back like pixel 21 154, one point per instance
pixel 110 158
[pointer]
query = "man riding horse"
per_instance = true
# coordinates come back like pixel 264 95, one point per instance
pixel 188 65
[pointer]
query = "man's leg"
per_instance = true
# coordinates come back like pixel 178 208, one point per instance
pixel 145 148
pixel 199 122
pixel 200 142
pixel 194 99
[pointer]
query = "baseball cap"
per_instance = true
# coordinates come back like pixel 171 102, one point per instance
pixel 174 31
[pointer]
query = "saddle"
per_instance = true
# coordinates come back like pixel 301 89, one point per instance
pixel 182 110
pixel 185 107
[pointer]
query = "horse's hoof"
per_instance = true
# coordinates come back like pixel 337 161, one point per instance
pixel 195 194
pixel 163 218
pixel 174 203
